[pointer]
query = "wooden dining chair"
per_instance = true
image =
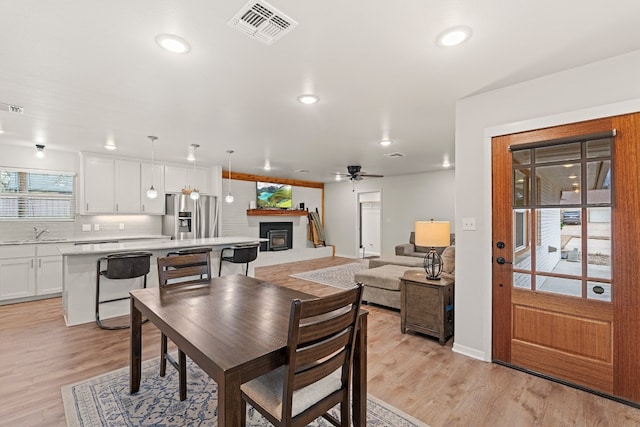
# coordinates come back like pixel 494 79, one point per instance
pixel 178 272
pixel 316 375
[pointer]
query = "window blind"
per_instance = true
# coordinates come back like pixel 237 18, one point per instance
pixel 37 195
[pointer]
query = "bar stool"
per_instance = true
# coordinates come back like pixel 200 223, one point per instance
pixel 122 265
pixel 242 254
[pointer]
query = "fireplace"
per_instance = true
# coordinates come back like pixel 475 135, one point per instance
pixel 279 235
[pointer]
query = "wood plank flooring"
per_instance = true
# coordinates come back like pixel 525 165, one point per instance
pixel 39 354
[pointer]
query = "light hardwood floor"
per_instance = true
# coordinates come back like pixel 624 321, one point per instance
pixel 39 354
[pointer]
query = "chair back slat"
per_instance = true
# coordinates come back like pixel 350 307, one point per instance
pixel 320 370
pixel 325 348
pixel 192 268
pixel 323 326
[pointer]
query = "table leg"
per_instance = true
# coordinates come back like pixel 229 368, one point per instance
pixel 229 401
pixel 135 357
pixel 360 374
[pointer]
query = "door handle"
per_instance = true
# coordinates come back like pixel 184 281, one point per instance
pixel 501 260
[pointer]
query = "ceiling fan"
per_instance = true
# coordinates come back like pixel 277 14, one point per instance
pixel 355 173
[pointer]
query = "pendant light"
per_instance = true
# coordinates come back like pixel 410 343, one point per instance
pixel 229 197
pixel 152 193
pixel 195 195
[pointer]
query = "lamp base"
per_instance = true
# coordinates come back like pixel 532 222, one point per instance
pixel 433 265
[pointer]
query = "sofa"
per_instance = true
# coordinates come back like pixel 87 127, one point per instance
pixel 382 283
pixel 410 249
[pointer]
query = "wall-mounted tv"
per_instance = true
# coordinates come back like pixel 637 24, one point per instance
pixel 272 195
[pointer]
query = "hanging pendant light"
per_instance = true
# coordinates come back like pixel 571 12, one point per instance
pixel 195 195
pixel 229 197
pixel 152 193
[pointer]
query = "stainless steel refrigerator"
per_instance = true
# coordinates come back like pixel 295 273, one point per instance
pixel 186 218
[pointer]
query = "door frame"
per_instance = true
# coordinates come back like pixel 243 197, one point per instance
pixel 358 230
pixel 580 115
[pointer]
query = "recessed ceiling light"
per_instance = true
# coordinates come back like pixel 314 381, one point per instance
pixel 385 142
pixel 308 99
pixel 267 166
pixel 110 145
pixel 454 36
pixel 338 177
pixel 573 176
pixel 173 43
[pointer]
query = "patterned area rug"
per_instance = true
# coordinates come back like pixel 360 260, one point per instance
pixel 340 276
pixel 105 401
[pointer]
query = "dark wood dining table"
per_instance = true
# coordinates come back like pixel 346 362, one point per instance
pixel 235 328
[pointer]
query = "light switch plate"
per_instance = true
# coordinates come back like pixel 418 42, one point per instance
pixel 121 226
pixel 96 227
pixel 86 227
pixel 469 224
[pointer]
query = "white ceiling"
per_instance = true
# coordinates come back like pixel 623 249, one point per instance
pixel 89 70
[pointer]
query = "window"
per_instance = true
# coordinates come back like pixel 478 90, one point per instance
pixel 36 195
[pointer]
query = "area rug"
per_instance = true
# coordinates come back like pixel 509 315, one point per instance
pixel 340 276
pixel 105 401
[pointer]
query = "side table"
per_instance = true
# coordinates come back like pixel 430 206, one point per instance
pixel 426 306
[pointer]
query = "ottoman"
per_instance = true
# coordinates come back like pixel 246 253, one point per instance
pixel 407 261
pixel 382 284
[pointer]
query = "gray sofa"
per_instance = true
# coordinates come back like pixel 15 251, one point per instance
pixel 410 249
pixel 382 283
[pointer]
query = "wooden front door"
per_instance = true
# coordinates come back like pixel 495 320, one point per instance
pixel 566 254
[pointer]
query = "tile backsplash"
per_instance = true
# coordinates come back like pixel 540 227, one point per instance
pixel 107 226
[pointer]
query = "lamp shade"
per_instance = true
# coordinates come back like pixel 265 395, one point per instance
pixel 433 233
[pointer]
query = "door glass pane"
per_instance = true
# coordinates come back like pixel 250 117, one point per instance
pixel 599 242
pixel 558 153
pixel 521 157
pixel 521 187
pixel 559 184
pixel 548 240
pixel 599 291
pixel 599 148
pixel 521 240
pixel 522 280
pixel 570 243
pixel 599 182
pixel 557 285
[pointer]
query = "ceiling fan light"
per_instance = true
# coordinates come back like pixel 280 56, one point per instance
pixel 39 151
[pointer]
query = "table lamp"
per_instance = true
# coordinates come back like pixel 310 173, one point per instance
pixel 434 234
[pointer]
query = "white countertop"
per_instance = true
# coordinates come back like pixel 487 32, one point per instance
pixel 80 240
pixel 102 248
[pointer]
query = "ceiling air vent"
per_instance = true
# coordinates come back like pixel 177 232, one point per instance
pixel 261 21
pixel 394 155
pixel 12 108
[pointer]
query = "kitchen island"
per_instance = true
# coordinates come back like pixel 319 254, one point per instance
pixel 79 271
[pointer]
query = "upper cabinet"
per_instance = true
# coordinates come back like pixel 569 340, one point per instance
pixel 97 185
pixel 152 176
pixel 127 187
pixel 178 177
pixel 119 186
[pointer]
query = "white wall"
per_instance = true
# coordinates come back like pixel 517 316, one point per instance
pixel 235 222
pixel 405 200
pixel 600 89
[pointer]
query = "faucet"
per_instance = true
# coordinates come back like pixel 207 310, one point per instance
pixel 39 233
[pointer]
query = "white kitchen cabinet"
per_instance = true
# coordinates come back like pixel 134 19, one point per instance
pixel 155 176
pixel 178 177
pixel 127 187
pixel 98 174
pixel 175 178
pixel 17 271
pixel 199 178
pixel 48 265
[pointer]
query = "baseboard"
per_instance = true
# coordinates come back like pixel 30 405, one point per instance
pixel 469 352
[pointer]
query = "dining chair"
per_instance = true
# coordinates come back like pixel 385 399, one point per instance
pixel 176 272
pixel 239 254
pixel 316 376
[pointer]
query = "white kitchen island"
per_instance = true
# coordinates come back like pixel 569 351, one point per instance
pixel 79 273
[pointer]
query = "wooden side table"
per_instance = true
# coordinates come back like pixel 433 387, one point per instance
pixel 426 306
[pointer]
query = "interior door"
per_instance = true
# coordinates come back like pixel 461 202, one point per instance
pixel 566 300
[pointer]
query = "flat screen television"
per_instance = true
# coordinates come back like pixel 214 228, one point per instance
pixel 272 195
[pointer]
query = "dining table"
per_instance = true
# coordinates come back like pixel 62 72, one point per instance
pixel 235 328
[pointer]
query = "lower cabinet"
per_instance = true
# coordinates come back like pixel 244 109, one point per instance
pixel 17 278
pixel 30 270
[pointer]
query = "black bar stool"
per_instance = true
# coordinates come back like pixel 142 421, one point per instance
pixel 123 265
pixel 242 254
